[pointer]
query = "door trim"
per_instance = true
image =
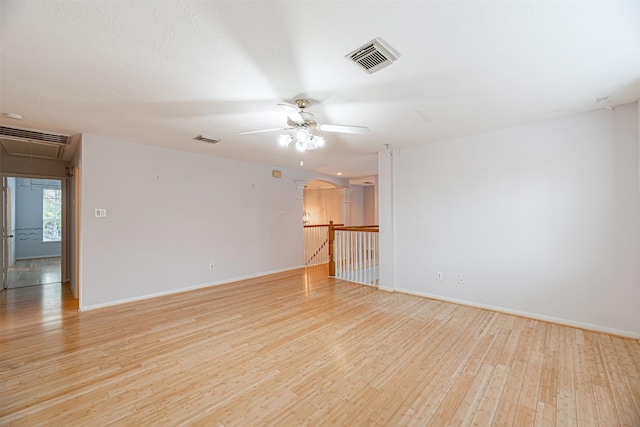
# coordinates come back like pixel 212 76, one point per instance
pixel 65 233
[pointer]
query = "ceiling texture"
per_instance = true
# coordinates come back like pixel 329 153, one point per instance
pixel 162 72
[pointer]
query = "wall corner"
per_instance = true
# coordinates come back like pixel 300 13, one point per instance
pixel 386 221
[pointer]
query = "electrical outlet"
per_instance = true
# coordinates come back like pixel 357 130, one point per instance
pixel 212 266
pixel 439 275
pixel 281 213
pixel 461 279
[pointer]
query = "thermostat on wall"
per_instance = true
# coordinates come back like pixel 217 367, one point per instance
pixel 101 213
pixel 276 173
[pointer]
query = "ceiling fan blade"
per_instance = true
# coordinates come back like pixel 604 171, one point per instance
pixel 344 129
pixel 292 112
pixel 262 130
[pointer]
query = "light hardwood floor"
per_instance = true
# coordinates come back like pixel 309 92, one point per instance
pixel 301 349
pixel 30 272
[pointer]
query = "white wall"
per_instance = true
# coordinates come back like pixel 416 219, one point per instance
pixel 370 208
pixel 31 166
pixel 323 205
pixel 170 214
pixel 541 219
pixel 357 205
pixel 386 253
pixel 72 235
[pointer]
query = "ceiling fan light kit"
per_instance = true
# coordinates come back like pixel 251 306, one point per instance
pixel 285 139
pixel 301 146
pixel 302 123
pixel 303 135
pixel 305 140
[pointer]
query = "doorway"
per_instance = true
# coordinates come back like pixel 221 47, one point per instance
pixel 322 203
pixel 32 230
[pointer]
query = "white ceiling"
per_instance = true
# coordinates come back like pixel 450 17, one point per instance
pixel 162 72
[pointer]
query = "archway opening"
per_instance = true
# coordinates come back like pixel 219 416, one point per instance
pixel 322 203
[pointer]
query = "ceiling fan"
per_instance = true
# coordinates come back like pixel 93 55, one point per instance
pixel 302 123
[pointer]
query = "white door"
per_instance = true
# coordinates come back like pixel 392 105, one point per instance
pixel 5 233
pixel 11 212
pixel 39 262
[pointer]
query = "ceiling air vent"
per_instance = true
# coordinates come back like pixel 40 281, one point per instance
pixel 33 136
pixel 32 143
pixel 373 56
pixel 208 139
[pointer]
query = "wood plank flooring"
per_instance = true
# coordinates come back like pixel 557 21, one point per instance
pixel 37 271
pixel 298 348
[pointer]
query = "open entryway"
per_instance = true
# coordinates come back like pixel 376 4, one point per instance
pixel 341 230
pixel 32 231
pixel 324 202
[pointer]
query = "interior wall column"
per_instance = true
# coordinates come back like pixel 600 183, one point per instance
pixel 386 266
pixel 375 202
pixel 300 184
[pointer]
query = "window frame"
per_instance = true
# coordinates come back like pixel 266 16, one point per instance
pixel 57 218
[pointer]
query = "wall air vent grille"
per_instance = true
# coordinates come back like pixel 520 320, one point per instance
pixel 33 136
pixel 207 139
pixel 373 56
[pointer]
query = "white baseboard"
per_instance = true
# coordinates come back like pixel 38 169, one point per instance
pixel 180 290
pixel 559 321
pixel 73 289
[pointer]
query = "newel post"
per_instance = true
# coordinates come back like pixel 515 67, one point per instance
pixel 332 263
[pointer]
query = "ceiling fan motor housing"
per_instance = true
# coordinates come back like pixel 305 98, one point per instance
pixel 309 121
pixel 297 120
pixel 302 103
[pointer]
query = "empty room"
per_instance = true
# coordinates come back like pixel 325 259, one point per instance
pixel 323 213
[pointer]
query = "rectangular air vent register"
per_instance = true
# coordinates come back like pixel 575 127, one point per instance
pixel 31 143
pixel 373 56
